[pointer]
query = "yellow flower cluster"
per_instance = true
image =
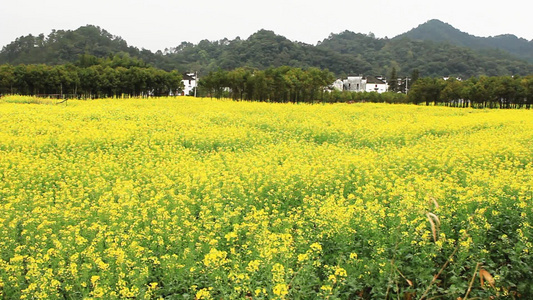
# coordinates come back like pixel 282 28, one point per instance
pixel 148 198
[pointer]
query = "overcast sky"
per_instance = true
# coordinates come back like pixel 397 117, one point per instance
pixel 160 24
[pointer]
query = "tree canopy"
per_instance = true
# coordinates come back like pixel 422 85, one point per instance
pixel 477 92
pixel 89 77
pixel 344 53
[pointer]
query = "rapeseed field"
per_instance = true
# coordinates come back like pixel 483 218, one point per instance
pixel 185 198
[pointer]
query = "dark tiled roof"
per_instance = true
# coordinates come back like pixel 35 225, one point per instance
pixel 187 77
pixel 374 80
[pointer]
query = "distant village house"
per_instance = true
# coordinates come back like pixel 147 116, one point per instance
pixel 376 84
pixel 189 84
pixel 362 84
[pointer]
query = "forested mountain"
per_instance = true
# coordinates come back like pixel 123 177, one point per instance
pixel 343 53
pixel 438 31
pixel 61 46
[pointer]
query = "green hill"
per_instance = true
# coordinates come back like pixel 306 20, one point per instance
pixel 434 48
pixel 61 46
pixel 438 31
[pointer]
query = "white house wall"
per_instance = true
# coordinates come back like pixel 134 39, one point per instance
pixel 189 86
pixel 373 87
pixel 354 84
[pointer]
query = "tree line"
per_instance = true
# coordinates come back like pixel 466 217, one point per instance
pixel 285 84
pixel 289 84
pixel 90 77
pixel 281 84
pixel 476 92
pixel 115 75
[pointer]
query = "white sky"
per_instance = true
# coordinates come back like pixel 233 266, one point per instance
pixel 160 24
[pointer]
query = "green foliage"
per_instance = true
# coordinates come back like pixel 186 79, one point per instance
pixel 426 90
pixel 273 84
pixel 478 92
pixel 343 53
pixel 415 74
pixel 61 47
pixel 393 81
pixel 285 84
pixel 89 77
pixel 346 53
pixel 438 31
pixel 120 74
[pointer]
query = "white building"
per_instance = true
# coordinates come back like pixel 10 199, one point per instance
pixel 376 84
pixel 354 83
pixel 362 84
pixel 189 84
pixel 338 85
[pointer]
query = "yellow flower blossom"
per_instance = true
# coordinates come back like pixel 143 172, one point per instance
pixel 281 290
pixel 124 198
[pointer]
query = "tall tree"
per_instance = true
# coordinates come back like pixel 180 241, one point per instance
pixel 426 90
pixel 415 74
pixel 453 93
pixel 393 80
pixel 7 79
pixel 527 83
